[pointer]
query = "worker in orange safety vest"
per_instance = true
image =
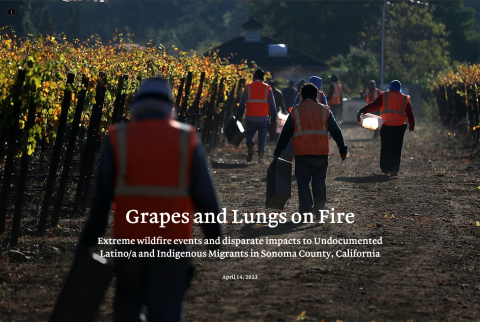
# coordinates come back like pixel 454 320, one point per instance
pixel 395 108
pixel 317 81
pixel 334 96
pixel 372 93
pixel 155 173
pixel 308 126
pixel 258 103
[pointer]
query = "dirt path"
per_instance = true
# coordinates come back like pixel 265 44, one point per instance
pixel 428 269
pixel 429 265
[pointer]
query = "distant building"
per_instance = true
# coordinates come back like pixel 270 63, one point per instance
pixel 269 54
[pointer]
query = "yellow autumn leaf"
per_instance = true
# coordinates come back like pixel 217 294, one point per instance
pixel 301 317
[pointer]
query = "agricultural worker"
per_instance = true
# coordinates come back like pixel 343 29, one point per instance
pixel 300 83
pixel 372 93
pixel 279 102
pixel 152 164
pixel 259 103
pixel 395 109
pixel 308 126
pixel 317 81
pixel 289 93
pixel 278 95
pixel 334 96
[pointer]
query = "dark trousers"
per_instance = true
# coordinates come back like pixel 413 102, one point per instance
pixel 391 152
pixel 272 131
pixel 158 283
pixel 376 133
pixel 335 110
pixel 251 129
pixel 306 173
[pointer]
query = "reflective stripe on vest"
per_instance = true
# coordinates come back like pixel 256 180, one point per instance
pixel 376 93
pixel 124 189
pixel 404 105
pixel 307 132
pixel 335 90
pixel 249 100
pixel 336 97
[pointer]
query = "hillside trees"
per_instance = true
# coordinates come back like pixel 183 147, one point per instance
pixel 321 29
pixel 184 24
pixel 415 44
pixel 459 21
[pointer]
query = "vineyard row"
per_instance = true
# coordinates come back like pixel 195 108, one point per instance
pixel 66 163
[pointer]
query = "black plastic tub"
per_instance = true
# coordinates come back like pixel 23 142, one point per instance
pixel 234 131
pixel 84 288
pixel 279 183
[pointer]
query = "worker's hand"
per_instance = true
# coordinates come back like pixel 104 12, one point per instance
pixel 410 128
pixel 343 156
pixel 358 116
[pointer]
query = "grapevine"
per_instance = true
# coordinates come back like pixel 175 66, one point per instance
pixel 48 59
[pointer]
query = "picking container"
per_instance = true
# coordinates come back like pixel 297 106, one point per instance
pixel 234 131
pixel 83 290
pixel 279 183
pixel 371 121
pixel 282 118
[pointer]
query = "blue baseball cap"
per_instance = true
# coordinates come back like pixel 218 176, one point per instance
pixel 396 86
pixel 317 81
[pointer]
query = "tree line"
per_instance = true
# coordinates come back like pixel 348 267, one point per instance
pixel 422 38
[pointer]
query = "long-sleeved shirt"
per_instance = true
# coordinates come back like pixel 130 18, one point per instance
pixel 331 90
pixel 297 99
pixel 377 104
pixel 289 129
pixel 289 95
pixel 279 101
pixel 271 108
pixel 201 191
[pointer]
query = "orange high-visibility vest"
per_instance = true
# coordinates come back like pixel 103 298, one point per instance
pixel 393 108
pixel 153 159
pixel 376 93
pixel 337 91
pixel 258 94
pixel 311 128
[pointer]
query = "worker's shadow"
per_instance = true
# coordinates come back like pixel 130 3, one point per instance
pixel 217 165
pixel 370 179
pixel 251 231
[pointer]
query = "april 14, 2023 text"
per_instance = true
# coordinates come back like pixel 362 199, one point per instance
pixel 239 277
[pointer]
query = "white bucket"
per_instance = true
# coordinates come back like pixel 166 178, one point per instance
pixel 371 121
pixel 282 118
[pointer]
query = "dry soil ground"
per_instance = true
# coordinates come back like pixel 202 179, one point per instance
pixel 428 269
